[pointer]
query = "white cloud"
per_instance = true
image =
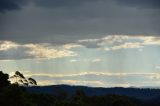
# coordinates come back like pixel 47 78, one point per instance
pixel 140 43
pixel 70 46
pixel 127 45
pixel 107 49
pixel 96 60
pixel 111 39
pixel 108 40
pixel 88 40
pixel 5 45
pixel 54 75
pixel 86 60
pixel 30 74
pixel 40 51
pixel 150 40
pixel 73 60
pixel 69 82
pixel 13 50
pixel 126 85
pixel 117 42
pixel 79 82
pixel 45 82
pixel 105 79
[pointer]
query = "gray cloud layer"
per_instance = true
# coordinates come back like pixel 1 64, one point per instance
pixel 12 4
pixel 141 3
pixel 66 21
pixel 17 4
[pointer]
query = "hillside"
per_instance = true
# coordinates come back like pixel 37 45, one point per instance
pixel 140 93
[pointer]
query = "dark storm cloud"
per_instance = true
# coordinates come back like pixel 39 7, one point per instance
pixel 12 4
pixel 66 21
pixel 60 3
pixel 141 3
pixel 18 4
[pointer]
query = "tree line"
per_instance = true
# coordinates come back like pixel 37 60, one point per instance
pixel 19 78
pixel 16 95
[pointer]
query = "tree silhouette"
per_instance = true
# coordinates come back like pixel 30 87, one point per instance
pixel 4 79
pixel 19 74
pixel 20 79
pixel 32 81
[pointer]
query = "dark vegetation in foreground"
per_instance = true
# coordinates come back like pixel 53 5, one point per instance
pixel 15 95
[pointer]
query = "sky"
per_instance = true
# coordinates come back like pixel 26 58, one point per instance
pixel 99 43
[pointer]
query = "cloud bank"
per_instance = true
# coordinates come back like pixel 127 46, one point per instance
pixel 66 21
pixel 98 79
pixel 12 50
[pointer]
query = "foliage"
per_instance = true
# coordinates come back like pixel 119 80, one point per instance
pixel 12 95
pixel 4 79
pixel 32 81
pixel 21 80
pixel 15 95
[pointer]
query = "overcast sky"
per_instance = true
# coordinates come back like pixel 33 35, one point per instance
pixel 61 21
pixel 94 40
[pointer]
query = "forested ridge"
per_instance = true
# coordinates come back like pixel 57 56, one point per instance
pixel 19 95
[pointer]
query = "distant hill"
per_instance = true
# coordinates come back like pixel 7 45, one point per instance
pixel 140 93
